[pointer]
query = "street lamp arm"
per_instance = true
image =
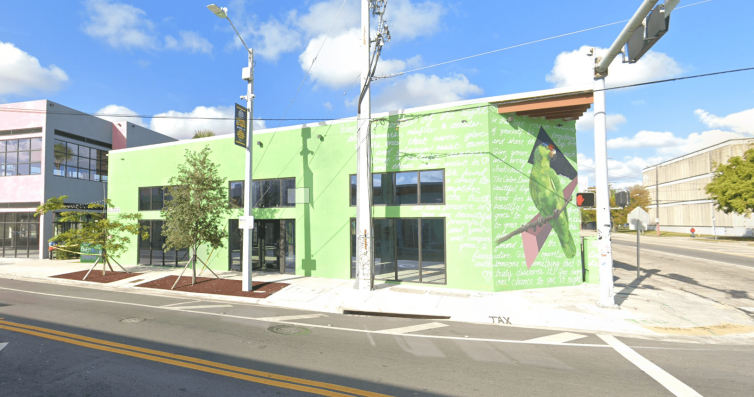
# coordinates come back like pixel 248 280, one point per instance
pixel 600 70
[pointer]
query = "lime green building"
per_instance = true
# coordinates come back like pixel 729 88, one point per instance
pixel 453 185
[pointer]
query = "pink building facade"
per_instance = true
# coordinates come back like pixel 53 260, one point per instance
pixel 49 150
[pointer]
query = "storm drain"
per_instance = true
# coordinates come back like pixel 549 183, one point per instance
pixel 133 320
pixel 288 330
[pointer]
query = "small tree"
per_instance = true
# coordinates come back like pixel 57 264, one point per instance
pixel 111 235
pixel 203 134
pixel 732 187
pixel 196 207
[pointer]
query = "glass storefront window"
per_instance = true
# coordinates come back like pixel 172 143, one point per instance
pixel 406 249
pixel 19 235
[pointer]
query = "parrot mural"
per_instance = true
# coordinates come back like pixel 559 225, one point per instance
pixel 547 195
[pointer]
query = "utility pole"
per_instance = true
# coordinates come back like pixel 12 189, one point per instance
pixel 247 74
pixel 364 238
pixel 640 33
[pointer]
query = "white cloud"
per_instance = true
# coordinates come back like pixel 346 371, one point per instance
pixel 22 74
pixel 586 122
pixel 576 68
pixel 190 41
pixel 620 173
pixel 339 63
pixel 320 17
pixel 420 90
pixel 699 140
pixel 115 113
pixel 408 21
pixel 742 122
pixel 182 125
pixel 119 25
pixel 327 105
pixel 275 39
pixel 645 139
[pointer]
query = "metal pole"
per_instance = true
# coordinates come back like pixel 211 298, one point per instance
pixel 363 167
pixel 604 249
pixel 638 223
pixel 246 284
pixel 657 199
pixel 633 24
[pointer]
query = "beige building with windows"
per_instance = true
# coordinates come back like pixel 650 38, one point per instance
pixel 678 198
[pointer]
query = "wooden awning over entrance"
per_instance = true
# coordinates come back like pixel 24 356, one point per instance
pixel 569 106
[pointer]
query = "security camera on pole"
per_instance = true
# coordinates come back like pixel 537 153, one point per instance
pixel 364 238
pixel 641 32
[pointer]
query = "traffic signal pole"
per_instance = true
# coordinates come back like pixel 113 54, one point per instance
pixel 604 227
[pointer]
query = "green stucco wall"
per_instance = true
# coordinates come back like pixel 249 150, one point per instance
pixel 485 158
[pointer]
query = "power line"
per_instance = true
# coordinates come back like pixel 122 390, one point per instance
pixel 520 45
pixel 19 110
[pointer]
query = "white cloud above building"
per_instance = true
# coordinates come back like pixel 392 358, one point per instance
pixel 23 74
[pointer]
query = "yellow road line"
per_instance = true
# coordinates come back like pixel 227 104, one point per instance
pixel 119 348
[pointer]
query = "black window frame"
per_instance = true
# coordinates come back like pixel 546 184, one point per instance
pixel 180 260
pixel 165 197
pixel 28 153
pixel 282 194
pixel 63 162
pixel 240 202
pixel 17 223
pixel 352 188
pixel 352 222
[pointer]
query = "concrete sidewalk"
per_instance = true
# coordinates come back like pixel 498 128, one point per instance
pixel 648 312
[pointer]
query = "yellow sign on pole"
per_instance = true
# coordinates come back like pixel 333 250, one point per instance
pixel 241 127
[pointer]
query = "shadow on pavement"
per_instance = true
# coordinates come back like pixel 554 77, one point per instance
pixel 649 273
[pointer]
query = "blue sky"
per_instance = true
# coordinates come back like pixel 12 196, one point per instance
pixel 175 57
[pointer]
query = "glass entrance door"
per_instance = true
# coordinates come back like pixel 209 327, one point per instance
pixel 272 245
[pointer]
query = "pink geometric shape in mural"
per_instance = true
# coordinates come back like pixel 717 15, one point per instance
pixel 535 239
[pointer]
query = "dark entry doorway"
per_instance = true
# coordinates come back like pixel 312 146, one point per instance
pixel 273 246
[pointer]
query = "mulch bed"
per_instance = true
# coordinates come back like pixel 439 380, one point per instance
pixel 206 285
pixel 96 276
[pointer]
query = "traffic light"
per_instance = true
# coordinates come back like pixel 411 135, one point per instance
pixel 622 199
pixel 585 199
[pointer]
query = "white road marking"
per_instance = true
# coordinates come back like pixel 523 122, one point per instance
pixel 557 338
pixel 198 307
pixel 673 385
pixel 364 331
pixel 180 303
pixel 748 309
pixel 286 318
pixel 2 345
pixel 413 328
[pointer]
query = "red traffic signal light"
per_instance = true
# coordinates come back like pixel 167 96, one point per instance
pixel 585 199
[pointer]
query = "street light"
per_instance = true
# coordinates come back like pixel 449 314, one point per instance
pixel 248 75
pixel 645 32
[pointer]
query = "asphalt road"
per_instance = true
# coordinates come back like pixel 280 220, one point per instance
pixel 93 342
pixel 691 253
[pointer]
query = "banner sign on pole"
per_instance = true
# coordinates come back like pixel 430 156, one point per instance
pixel 241 127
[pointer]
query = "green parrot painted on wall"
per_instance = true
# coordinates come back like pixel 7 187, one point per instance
pixel 547 194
